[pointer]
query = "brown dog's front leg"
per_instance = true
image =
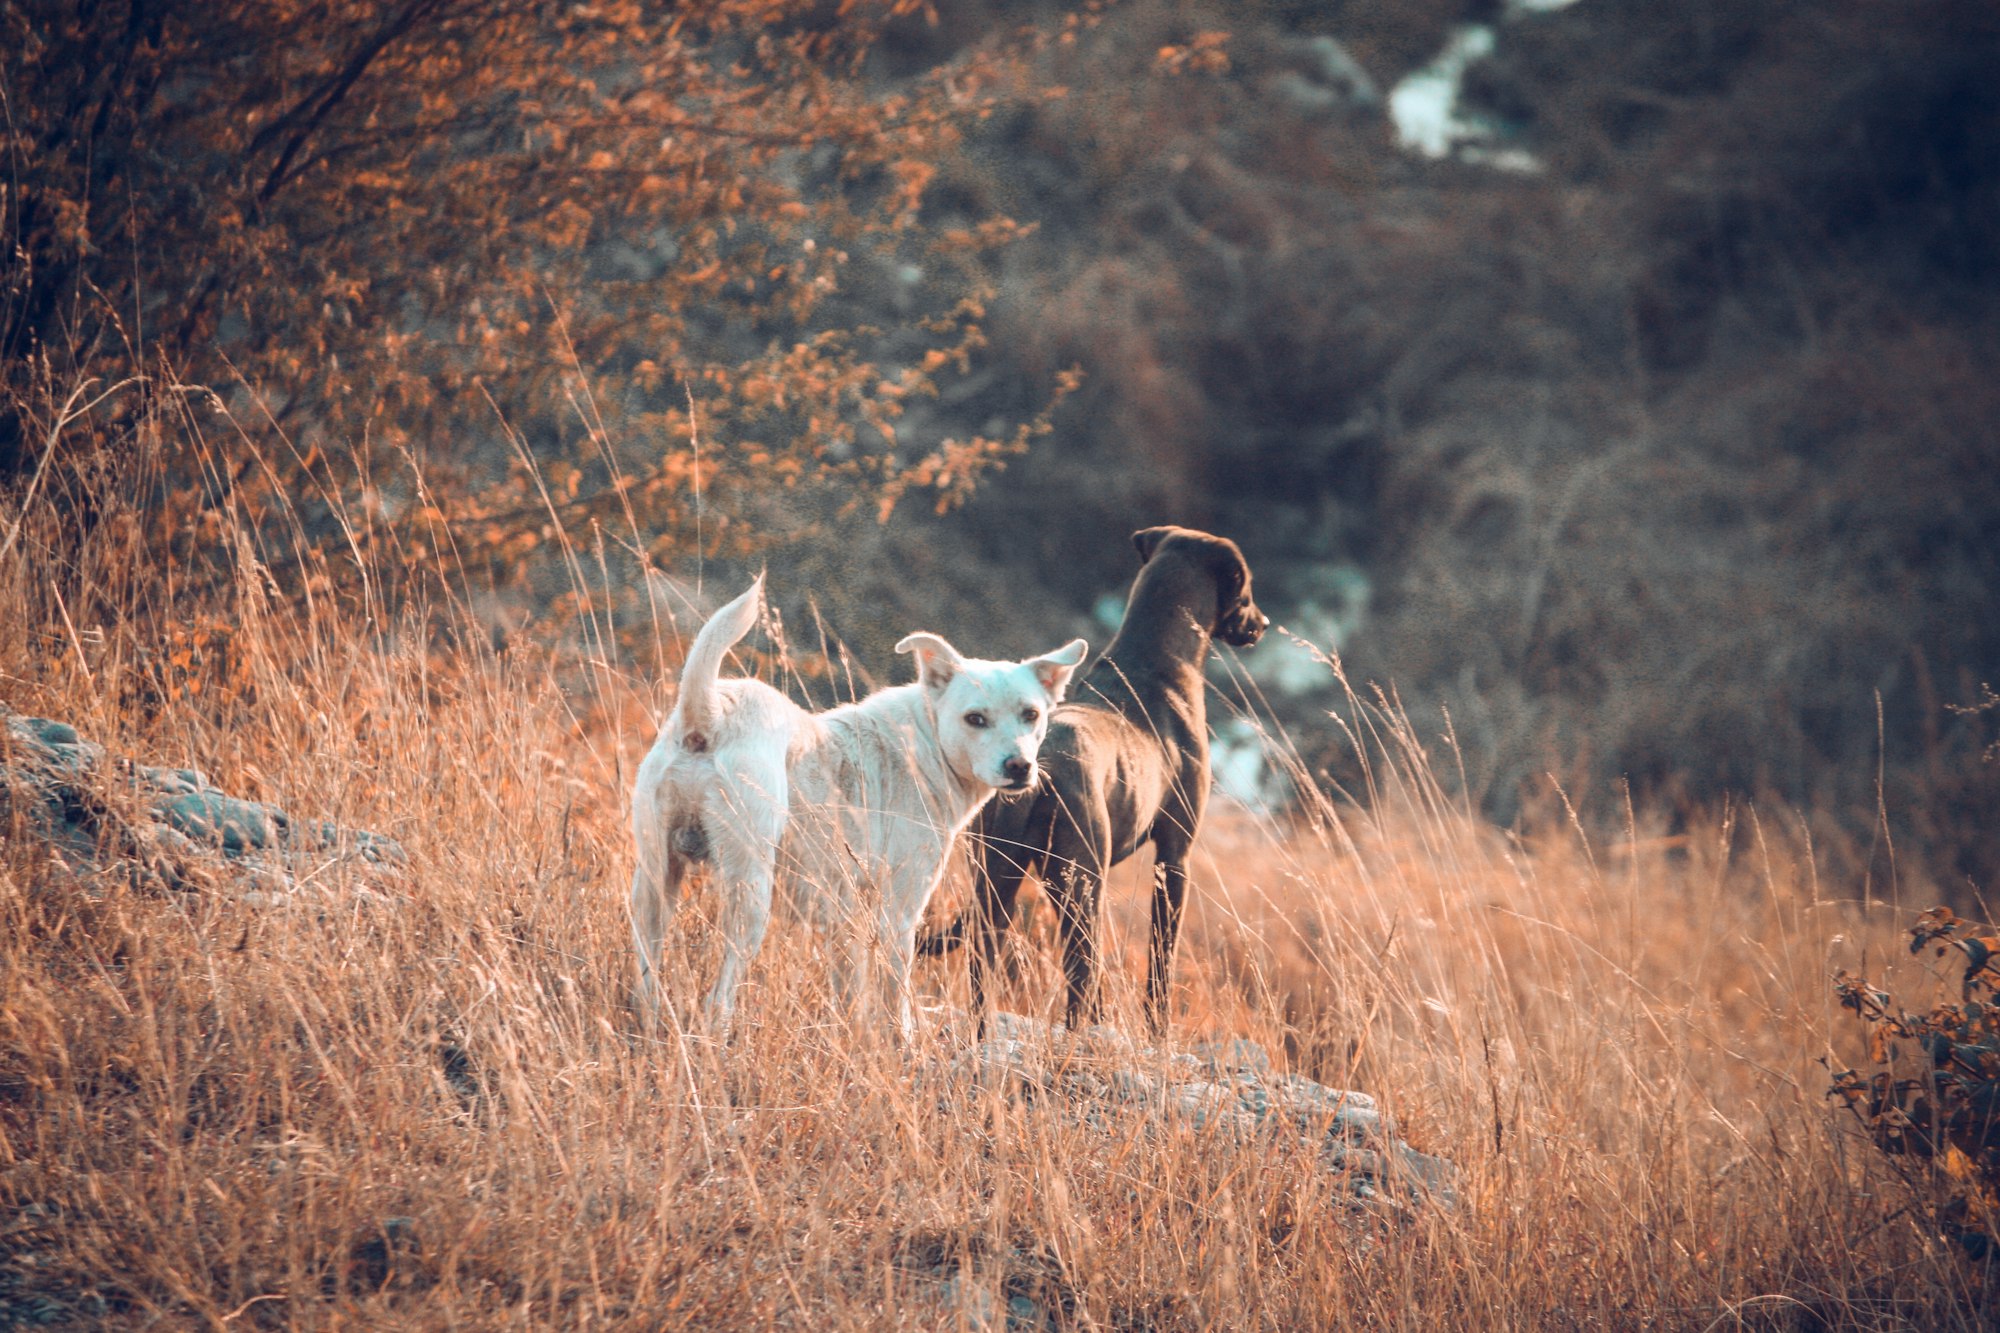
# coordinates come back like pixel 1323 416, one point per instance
pixel 996 882
pixel 1074 882
pixel 1169 895
pixel 1079 944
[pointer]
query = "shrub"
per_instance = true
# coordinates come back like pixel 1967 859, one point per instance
pixel 490 266
pixel 1943 1106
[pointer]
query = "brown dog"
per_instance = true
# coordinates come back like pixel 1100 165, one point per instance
pixel 1125 763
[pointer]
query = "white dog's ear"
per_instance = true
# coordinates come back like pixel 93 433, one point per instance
pixel 937 661
pixel 1054 669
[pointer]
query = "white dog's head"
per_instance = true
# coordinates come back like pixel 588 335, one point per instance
pixel 991 716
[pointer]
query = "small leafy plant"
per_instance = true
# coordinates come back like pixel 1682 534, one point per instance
pixel 1947 1110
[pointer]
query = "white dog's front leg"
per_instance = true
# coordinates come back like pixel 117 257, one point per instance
pixel 896 928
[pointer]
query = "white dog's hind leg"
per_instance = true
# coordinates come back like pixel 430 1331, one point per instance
pixel 655 897
pixel 746 820
pixel 656 884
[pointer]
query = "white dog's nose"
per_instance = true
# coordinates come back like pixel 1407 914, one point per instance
pixel 1018 771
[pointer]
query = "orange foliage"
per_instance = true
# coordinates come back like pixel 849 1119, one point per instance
pixel 415 244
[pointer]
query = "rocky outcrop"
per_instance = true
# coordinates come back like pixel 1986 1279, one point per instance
pixel 166 820
pixel 1104 1079
pixel 1229 1089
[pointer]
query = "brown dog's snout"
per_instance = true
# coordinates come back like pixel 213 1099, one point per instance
pixel 1244 627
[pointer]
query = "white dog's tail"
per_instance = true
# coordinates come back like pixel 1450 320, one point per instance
pixel 704 663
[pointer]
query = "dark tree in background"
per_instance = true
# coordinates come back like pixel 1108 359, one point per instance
pixel 395 234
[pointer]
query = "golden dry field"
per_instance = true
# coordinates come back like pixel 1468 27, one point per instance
pixel 414 1096
pixel 1601 390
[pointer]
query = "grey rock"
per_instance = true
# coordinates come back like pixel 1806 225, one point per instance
pixel 80 758
pixel 50 732
pixel 377 848
pixel 183 815
pixel 1210 1106
pixel 963 1296
pixel 1023 1313
pixel 54 742
pixel 234 825
pixel 999 1062
pixel 1129 1085
pixel 974 1301
pixel 1437 1177
pixel 177 780
pixel 172 841
pixel 1315 1107
pixel 1237 1054
pixel 1253 1099
pixel 23 782
pixel 1226 1088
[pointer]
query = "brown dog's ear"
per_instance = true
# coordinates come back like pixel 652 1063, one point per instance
pixel 1148 541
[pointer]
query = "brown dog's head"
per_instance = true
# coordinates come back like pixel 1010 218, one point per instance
pixel 1237 621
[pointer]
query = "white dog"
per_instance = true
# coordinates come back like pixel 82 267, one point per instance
pixel 852 810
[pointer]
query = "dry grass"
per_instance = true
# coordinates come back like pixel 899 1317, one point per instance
pixel 431 1110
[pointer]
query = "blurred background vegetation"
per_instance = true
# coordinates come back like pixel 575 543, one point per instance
pixel 1638 424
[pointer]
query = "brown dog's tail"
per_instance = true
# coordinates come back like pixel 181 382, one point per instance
pixel 937 943
pixel 704 663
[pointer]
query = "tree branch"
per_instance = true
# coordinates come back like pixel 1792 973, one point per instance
pixel 305 118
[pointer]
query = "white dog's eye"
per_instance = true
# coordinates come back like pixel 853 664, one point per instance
pixel 977 721
pixel 1031 715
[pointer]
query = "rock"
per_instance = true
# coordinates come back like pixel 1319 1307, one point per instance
pixel 174 779
pixel 51 733
pixel 1100 1077
pixel 1437 1177
pixel 209 816
pixel 981 1307
pixel 183 813
pixel 975 1302
pixel 1236 1054
pixel 375 847
pixel 1210 1106
pixel 1313 1107
pixel 1023 1313
pixel 54 742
